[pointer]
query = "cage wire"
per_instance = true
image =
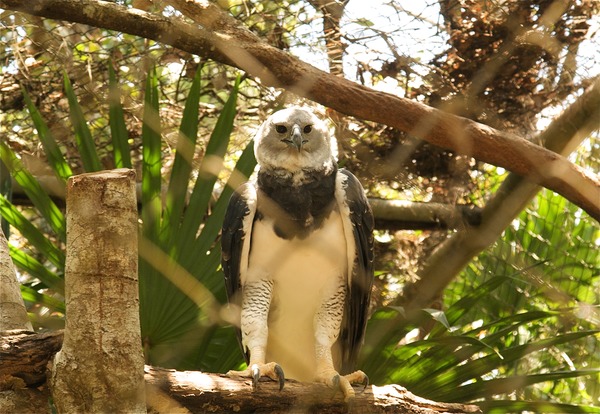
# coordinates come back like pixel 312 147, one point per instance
pixel 552 247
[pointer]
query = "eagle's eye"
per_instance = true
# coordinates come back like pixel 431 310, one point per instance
pixel 282 129
pixel 307 129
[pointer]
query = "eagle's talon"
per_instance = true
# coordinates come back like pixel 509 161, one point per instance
pixel 365 383
pixel 271 370
pixel 279 372
pixel 255 370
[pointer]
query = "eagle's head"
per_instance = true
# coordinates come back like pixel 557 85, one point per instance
pixel 294 139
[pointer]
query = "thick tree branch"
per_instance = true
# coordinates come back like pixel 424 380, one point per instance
pixel 25 355
pixel 222 38
pixel 202 392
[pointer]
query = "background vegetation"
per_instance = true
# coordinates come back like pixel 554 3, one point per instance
pixel 515 330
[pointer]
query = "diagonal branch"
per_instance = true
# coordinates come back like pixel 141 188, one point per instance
pixel 222 38
pixel 510 199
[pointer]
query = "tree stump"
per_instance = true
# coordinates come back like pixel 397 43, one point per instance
pixel 100 366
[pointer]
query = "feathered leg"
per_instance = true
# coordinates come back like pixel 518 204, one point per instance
pixel 255 332
pixel 327 327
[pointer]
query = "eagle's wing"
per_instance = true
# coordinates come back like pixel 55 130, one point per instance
pixel 235 242
pixel 358 227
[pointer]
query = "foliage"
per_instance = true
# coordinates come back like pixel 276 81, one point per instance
pixel 169 315
pixel 463 359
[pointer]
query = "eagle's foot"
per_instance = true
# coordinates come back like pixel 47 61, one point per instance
pixel 256 371
pixel 344 383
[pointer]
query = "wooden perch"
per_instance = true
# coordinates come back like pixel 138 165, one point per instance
pixel 24 355
pixel 200 392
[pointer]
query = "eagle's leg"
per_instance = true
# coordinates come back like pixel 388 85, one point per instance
pixel 327 327
pixel 255 312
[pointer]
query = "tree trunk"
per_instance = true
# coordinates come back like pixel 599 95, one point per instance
pixel 100 366
pixel 13 314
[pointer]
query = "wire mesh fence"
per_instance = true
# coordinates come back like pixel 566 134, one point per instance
pixel 550 252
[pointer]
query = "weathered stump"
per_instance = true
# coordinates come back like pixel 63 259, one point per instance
pixel 100 366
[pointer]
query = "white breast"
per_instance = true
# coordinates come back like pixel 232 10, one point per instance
pixel 304 272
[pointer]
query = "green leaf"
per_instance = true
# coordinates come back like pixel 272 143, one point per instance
pixel 6 191
pixel 486 389
pixel 156 292
pixel 30 265
pixel 151 164
pixel 364 22
pixel 446 383
pixel 211 165
pixel 182 165
pixel 31 295
pixel 210 356
pixel 243 169
pixel 438 316
pixel 547 407
pixel 470 300
pixel 40 199
pixel 83 136
pixel 118 129
pixel 35 237
pixel 53 154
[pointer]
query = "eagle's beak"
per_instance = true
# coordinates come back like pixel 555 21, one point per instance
pixel 297 137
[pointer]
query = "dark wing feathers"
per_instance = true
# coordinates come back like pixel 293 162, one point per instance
pixel 232 240
pixel 358 297
pixel 232 245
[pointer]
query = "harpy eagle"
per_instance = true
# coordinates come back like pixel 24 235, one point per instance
pixel 297 253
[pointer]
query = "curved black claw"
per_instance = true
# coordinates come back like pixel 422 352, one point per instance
pixel 281 377
pixel 255 373
pixel 255 376
pixel 365 384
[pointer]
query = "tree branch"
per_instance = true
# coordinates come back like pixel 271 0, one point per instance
pixel 451 256
pixel 389 214
pixel 202 392
pixel 223 39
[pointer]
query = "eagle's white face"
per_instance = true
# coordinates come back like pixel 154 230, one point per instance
pixel 294 139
